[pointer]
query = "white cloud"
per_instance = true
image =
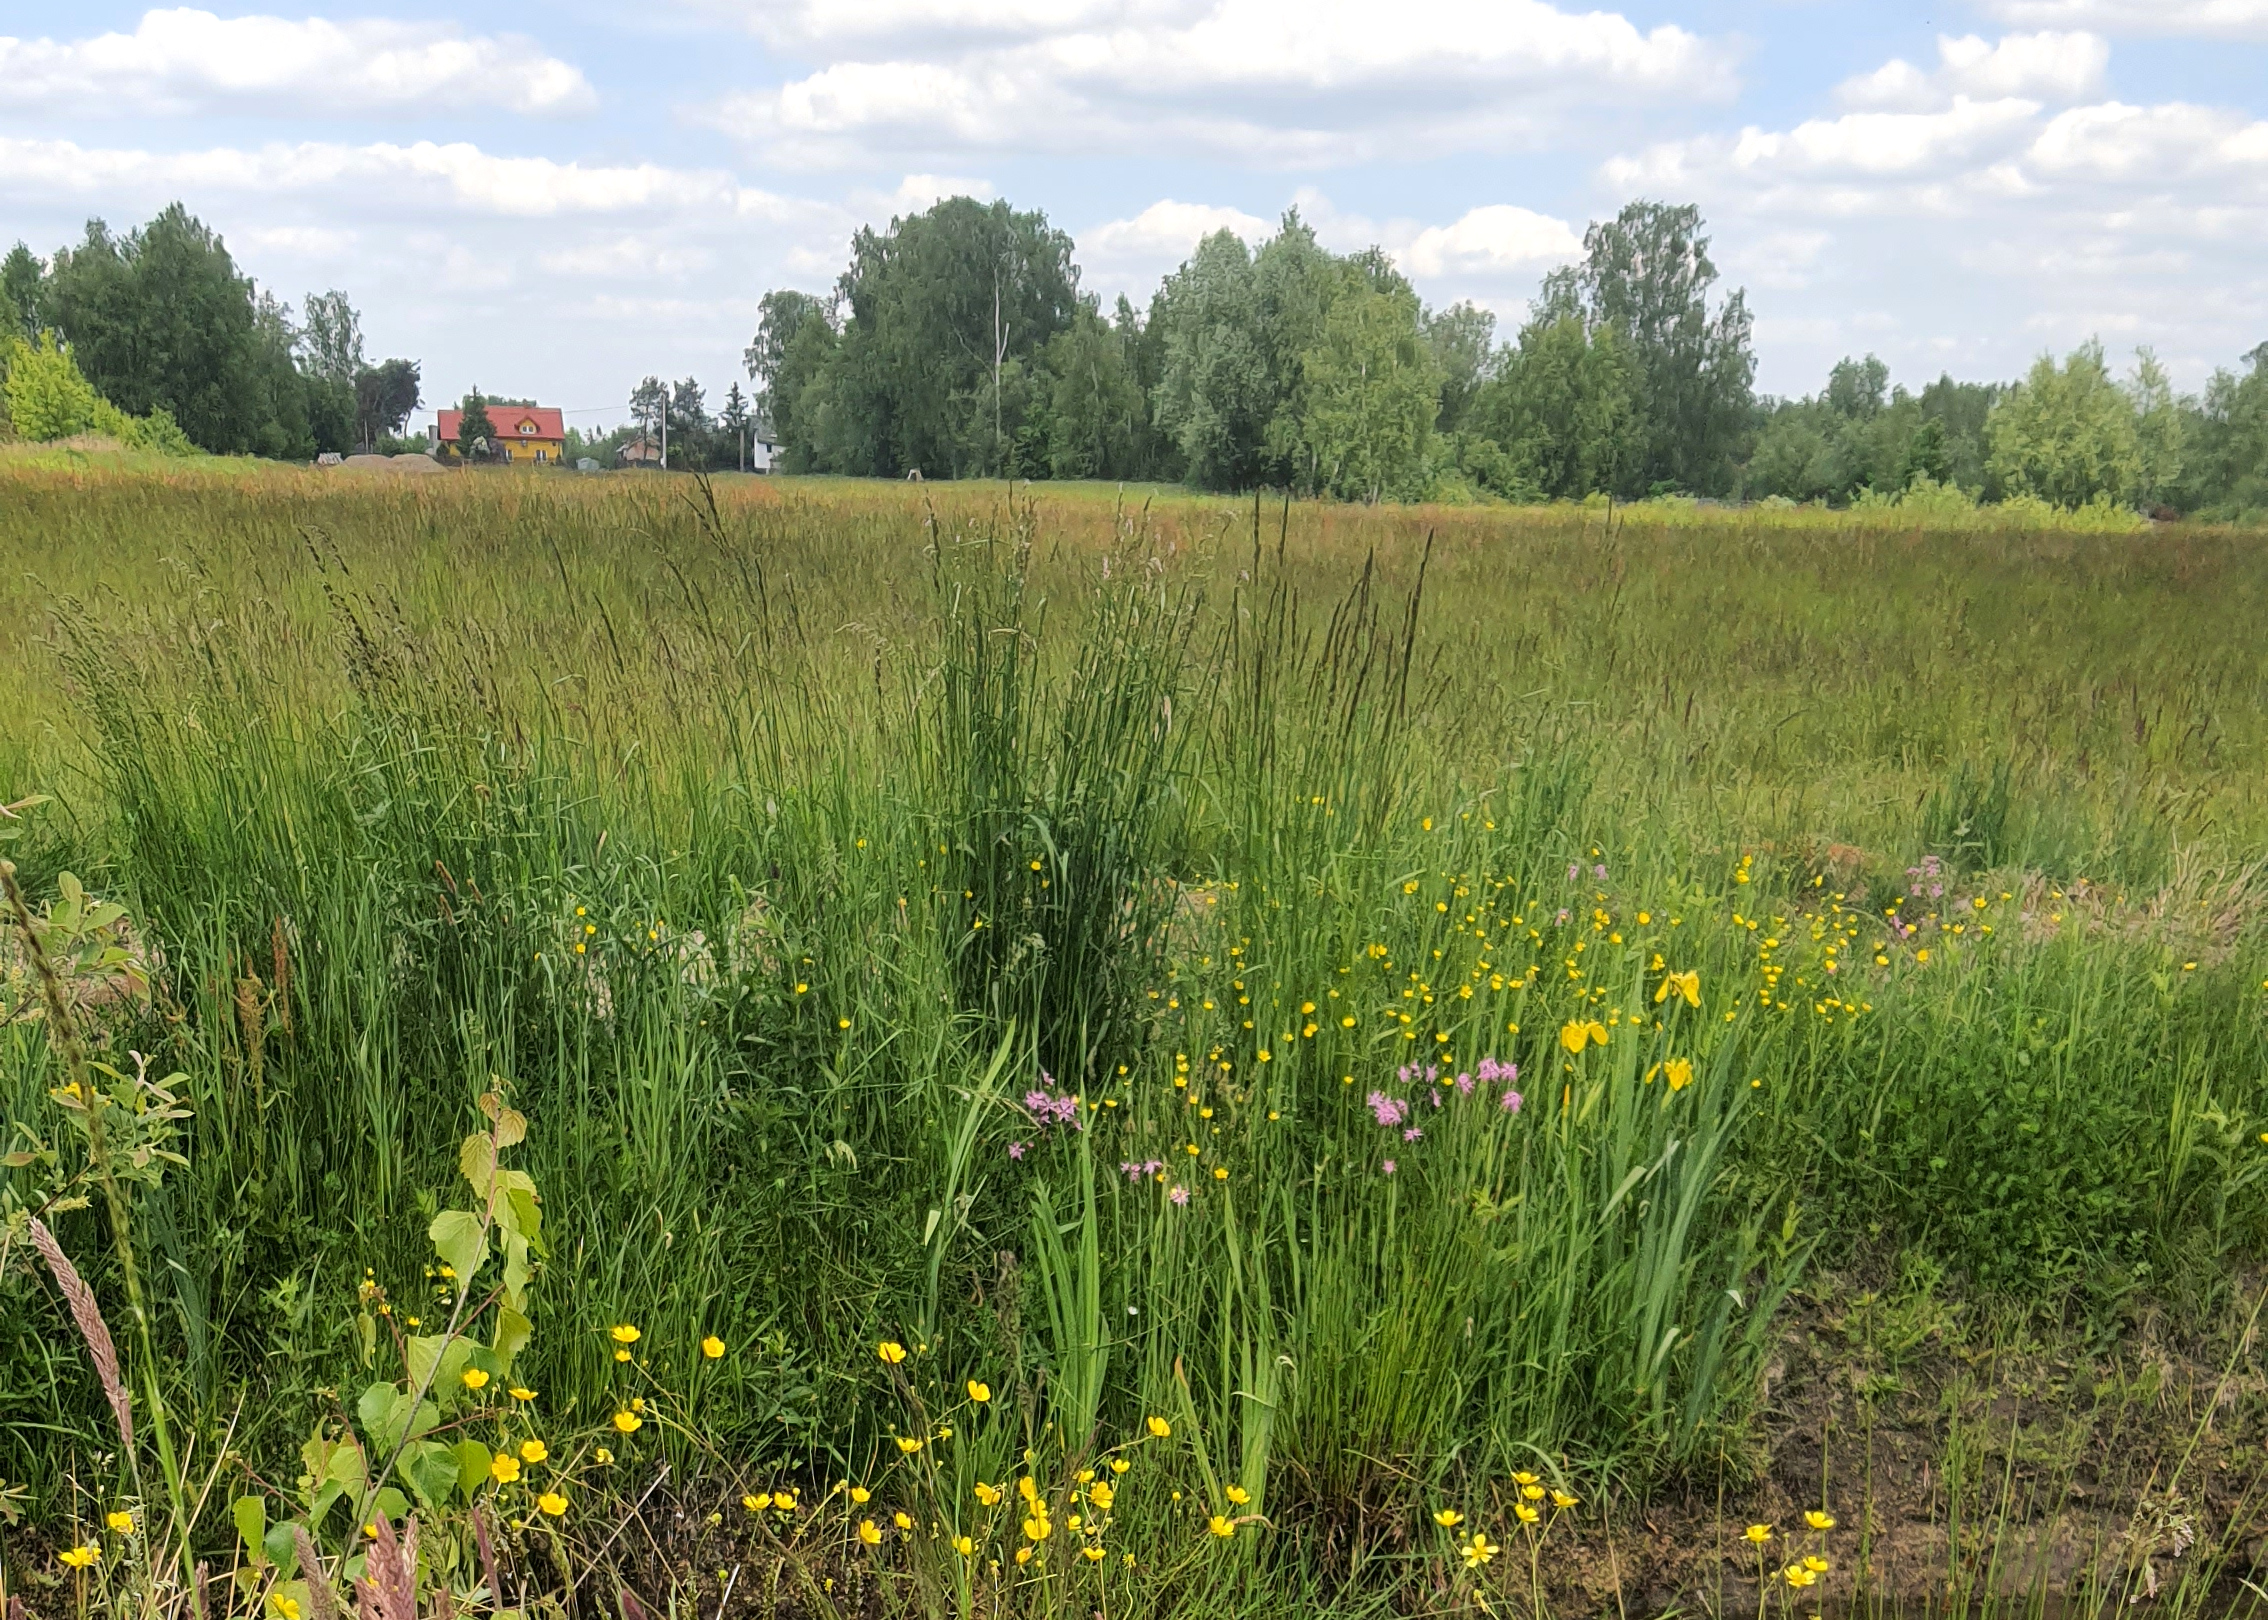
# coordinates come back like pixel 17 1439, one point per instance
pixel 2051 66
pixel 185 61
pixel 1252 81
pixel 1494 239
pixel 2027 218
pixel 380 177
pixel 2192 19
pixel 1128 254
pixel 475 262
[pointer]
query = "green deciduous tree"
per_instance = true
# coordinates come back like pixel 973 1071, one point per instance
pixel 47 396
pixel 20 278
pixel 1368 395
pixel 2226 470
pixel 938 306
pixel 1462 341
pixel 795 341
pixel 2066 434
pixel 1563 402
pixel 1097 420
pixel 1216 391
pixel 1647 272
pixel 384 396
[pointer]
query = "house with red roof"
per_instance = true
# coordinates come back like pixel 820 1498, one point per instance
pixel 531 433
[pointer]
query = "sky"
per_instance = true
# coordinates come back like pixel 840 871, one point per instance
pixel 553 202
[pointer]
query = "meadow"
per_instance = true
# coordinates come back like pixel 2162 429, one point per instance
pixel 1123 1051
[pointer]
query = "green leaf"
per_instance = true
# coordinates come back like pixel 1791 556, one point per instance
pixel 461 1242
pixel 373 1406
pixel 392 1503
pixel 477 1160
pixel 424 1354
pixel 277 1544
pixel 431 1471
pixel 513 1331
pixel 473 1459
pixel 251 1516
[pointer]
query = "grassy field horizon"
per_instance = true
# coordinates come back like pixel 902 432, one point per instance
pixel 1360 1014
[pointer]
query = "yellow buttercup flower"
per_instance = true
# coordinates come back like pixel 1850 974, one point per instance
pixel 712 1347
pixel 602 1456
pixel 628 1422
pixel 1102 1495
pixel 1523 1479
pixel 1238 1494
pixel 552 1503
pixel 989 1495
pixel 1798 1577
pixel 891 1351
pixel 1758 1533
pixel 1221 1526
pixel 756 1504
pixel 908 1444
pixel 1037 1528
pixel 623 1333
pixel 121 1522
pixel 1524 1513
pixel 1562 1501
pixel 1119 1465
pixel 1448 1518
pixel 900 1519
pixel 1160 1428
pixel 869 1533
pixel 533 1451
pixel 475 1379
pixel 1479 1550
pixel 860 1495
pixel 1816 1564
pixel 1819 1520
pixel 504 1468
pixel 1023 1555
pixel 79 1557
pixel 1533 1493
pixel 979 1392
pixel 286 1608
pixel 1094 1554
pixel 519 1393
pixel 1686 985
pixel 964 1546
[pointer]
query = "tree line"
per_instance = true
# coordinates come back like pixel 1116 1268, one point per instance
pixel 959 343
pixel 159 324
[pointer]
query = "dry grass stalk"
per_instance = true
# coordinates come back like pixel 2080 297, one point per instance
pixel 92 1328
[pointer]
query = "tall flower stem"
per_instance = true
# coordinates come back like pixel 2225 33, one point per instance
pixel 64 1035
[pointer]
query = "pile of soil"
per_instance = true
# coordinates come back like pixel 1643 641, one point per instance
pixel 410 462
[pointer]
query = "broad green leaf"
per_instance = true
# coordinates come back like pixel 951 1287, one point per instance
pixel 459 1240
pixel 477 1160
pixel 251 1516
pixel 430 1468
pixel 392 1503
pixel 424 1355
pixel 473 1459
pixel 512 1333
pixel 371 1410
pixel 277 1544
pixel 527 1210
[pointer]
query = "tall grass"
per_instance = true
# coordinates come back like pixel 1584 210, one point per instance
pixel 774 844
